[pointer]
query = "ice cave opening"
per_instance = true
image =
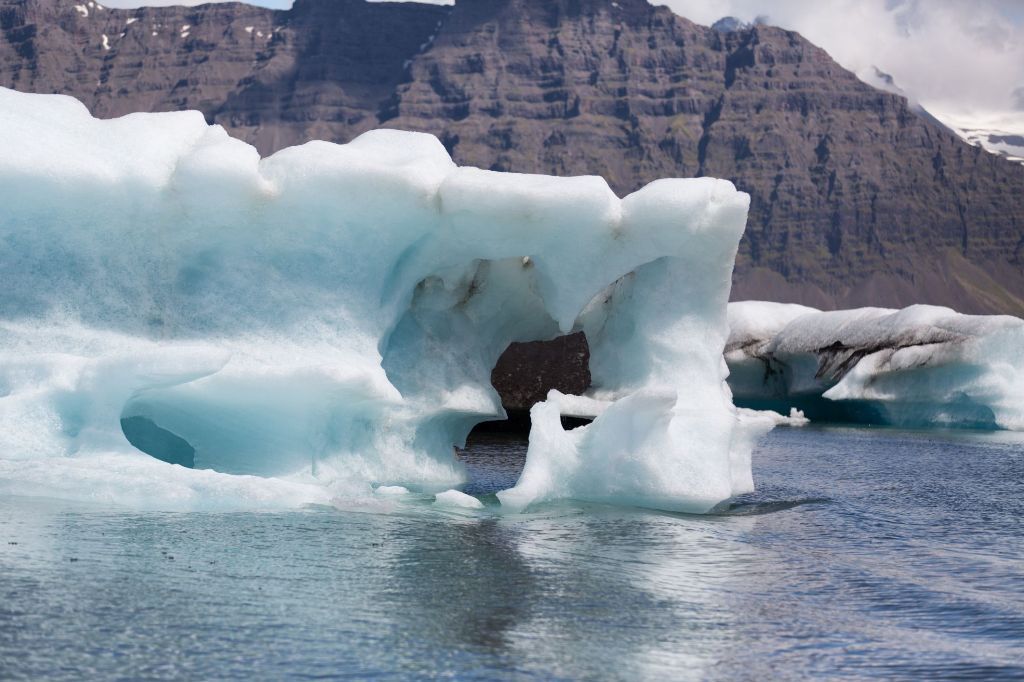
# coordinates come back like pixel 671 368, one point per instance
pixel 527 372
pixel 523 376
pixel 476 348
pixel 147 436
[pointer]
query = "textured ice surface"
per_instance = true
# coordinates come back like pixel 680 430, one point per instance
pixel 456 498
pixel 391 490
pixel 920 366
pixel 324 321
pixel 794 418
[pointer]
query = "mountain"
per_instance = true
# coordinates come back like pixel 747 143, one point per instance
pixel 857 199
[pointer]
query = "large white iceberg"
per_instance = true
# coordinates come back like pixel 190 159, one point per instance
pixel 327 318
pixel 920 366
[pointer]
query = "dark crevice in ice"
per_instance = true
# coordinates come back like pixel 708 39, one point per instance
pixel 157 442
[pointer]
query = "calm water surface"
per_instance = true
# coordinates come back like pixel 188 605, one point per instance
pixel 864 553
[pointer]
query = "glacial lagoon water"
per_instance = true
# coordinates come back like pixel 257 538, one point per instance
pixel 865 553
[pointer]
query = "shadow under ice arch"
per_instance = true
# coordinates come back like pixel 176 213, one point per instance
pixel 332 313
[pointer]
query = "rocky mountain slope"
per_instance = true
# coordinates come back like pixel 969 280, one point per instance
pixel 856 200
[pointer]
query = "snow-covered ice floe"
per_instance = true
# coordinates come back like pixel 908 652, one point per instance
pixel 794 418
pixel 917 367
pixel 323 323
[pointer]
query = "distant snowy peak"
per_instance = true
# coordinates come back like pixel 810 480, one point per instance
pixel 730 24
pixel 1000 142
pixel 992 138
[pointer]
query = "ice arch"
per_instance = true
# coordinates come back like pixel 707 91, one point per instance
pixel 332 313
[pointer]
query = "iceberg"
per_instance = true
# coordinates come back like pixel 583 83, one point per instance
pixel 456 498
pixel 184 324
pixel 923 366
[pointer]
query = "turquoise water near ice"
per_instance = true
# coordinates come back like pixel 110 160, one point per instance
pixel 865 553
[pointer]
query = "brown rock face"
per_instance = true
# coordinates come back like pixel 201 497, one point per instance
pixel 527 371
pixel 319 71
pixel 856 200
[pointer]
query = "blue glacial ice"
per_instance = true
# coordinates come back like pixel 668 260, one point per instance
pixel 323 322
pixel 923 366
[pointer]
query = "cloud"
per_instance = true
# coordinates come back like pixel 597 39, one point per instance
pixel 962 59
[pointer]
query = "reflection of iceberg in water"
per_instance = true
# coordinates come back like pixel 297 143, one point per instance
pixel 327 319
pixel 677 581
pixel 578 588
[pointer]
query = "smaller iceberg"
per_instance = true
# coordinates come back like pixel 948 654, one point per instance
pixel 457 499
pixel 922 366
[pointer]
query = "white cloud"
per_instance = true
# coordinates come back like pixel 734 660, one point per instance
pixel 960 59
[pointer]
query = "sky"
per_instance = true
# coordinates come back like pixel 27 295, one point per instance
pixel 963 60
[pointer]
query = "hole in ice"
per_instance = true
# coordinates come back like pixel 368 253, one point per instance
pixel 525 373
pixel 445 353
pixel 157 442
pixel 494 459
